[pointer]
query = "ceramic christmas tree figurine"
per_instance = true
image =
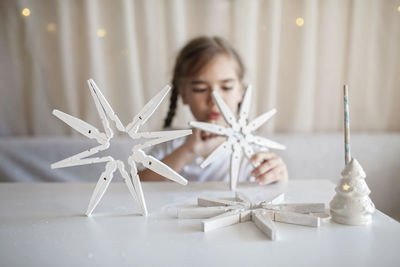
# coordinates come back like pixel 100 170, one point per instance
pixel 351 204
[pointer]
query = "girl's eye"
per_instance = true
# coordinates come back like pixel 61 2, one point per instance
pixel 227 88
pixel 199 90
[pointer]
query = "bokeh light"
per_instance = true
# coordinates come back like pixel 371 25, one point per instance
pixel 101 32
pixel 299 21
pixel 25 12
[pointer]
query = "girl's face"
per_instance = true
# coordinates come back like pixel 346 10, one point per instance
pixel 218 75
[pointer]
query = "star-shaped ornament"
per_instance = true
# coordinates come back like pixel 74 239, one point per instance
pixel 239 135
pixel 223 212
pixel 131 179
pixel 346 187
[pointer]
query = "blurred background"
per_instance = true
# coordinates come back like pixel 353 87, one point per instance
pixel 298 55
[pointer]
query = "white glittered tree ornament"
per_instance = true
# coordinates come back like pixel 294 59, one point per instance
pixel 351 204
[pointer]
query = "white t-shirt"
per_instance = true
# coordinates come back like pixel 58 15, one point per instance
pixel 219 170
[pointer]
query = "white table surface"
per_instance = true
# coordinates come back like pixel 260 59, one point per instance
pixel 43 225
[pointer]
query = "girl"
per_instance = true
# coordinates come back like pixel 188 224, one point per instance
pixel 204 65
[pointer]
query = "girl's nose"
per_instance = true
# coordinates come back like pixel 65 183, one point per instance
pixel 210 99
pixel 211 102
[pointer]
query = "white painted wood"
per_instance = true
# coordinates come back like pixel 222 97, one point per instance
pixel 243 198
pixel 158 137
pixel 220 150
pixel 127 179
pixel 245 105
pixel 262 141
pixel 212 128
pixel 71 162
pixel 202 212
pixel 324 217
pixel 101 186
pixel 208 202
pixel 157 166
pixel 100 110
pixel 106 106
pixel 260 120
pixel 236 158
pixel 297 218
pixel 148 110
pixel 132 181
pixel 297 207
pixel 229 117
pixel 222 220
pixel 293 213
pixel 81 126
pixel 245 216
pixel 137 185
pixel 263 221
pixel 238 135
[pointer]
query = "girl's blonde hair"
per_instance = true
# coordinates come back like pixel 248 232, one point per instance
pixel 190 61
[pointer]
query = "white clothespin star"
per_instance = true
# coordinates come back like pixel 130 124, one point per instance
pixel 132 180
pixel 239 136
pixel 220 212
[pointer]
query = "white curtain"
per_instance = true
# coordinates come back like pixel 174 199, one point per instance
pixel 129 47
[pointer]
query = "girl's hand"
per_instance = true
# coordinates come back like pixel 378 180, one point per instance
pixel 271 168
pixel 202 143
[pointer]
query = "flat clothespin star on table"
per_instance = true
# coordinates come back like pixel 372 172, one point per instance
pixel 222 212
pixel 131 179
pixel 239 135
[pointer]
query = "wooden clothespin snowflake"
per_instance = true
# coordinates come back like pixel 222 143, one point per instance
pixel 221 212
pixel 239 136
pixel 131 179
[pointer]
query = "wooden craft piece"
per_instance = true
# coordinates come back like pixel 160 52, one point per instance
pixel 222 212
pixel 131 180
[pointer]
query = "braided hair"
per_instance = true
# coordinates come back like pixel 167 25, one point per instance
pixel 190 61
pixel 173 101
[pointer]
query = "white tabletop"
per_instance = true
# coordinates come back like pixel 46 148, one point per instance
pixel 43 225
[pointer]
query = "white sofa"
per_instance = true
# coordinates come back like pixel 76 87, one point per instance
pixel 308 157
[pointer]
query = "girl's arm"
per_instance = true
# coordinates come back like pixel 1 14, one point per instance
pixel 197 144
pixel 176 160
